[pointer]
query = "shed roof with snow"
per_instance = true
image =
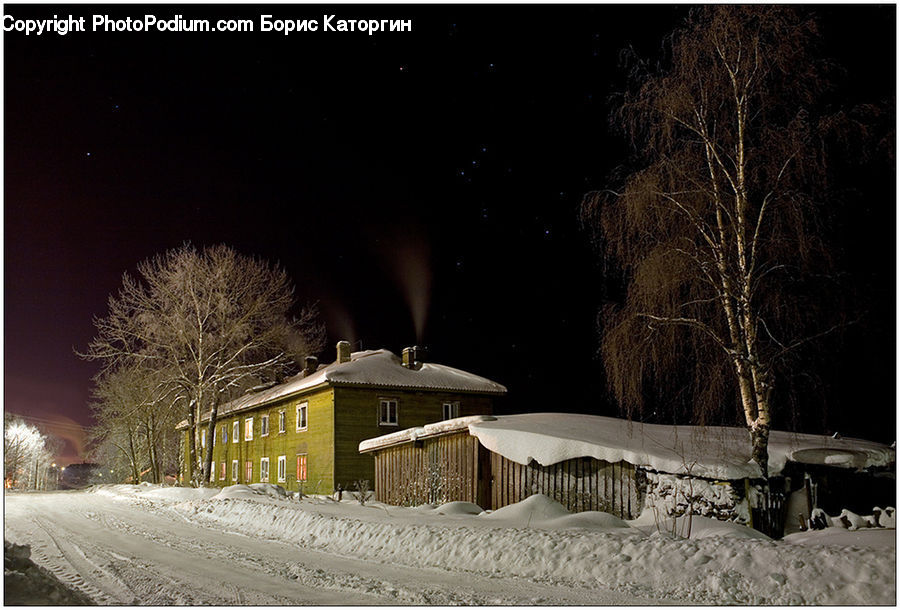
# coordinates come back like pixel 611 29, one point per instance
pixel 710 451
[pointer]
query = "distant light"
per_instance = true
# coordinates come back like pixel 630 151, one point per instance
pixel 88 154
pixel 53 465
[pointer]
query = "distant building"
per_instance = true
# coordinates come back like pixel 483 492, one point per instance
pixel 589 462
pixel 304 434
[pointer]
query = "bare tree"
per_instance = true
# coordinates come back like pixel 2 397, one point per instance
pixel 27 454
pixel 715 237
pixel 205 325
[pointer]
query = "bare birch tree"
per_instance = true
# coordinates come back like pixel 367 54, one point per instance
pixel 715 235
pixel 205 325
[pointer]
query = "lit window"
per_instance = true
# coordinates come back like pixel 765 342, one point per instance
pixel 235 432
pixel 451 410
pixel 301 467
pixel 282 420
pixel 264 425
pixel 234 471
pixel 264 470
pixel 249 467
pixel 302 411
pixel 222 471
pixel 248 429
pixel 282 468
pixel 387 412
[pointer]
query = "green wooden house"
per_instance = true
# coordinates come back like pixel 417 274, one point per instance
pixel 304 434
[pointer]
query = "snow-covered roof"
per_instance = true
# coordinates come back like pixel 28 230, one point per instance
pixel 412 434
pixel 380 368
pixel 711 451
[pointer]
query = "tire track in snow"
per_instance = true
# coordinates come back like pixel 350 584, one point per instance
pixel 65 565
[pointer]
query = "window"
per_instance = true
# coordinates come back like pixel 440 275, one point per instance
pixel 234 471
pixel 301 467
pixel 281 422
pixel 282 468
pixel 264 470
pixel 214 438
pixel 203 438
pixel 387 412
pixel 264 425
pixel 212 472
pixel 248 465
pixel 302 411
pixel 222 471
pixel 451 410
pixel 248 429
pixel 235 432
pixel 224 436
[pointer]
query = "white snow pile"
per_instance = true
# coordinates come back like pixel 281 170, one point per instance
pixel 537 539
pixel 712 451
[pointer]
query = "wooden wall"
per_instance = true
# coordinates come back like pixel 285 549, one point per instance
pixel 356 419
pixel 579 484
pixel 456 467
pixel 435 471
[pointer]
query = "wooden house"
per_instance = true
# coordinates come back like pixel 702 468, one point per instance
pixel 304 434
pixel 588 462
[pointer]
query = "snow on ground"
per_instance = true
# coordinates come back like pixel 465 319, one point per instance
pixel 253 545
pixel 712 451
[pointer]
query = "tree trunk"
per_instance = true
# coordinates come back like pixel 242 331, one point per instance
pixel 759 440
pixel 192 445
pixel 207 462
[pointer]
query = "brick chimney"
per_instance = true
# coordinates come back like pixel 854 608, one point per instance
pixel 310 364
pixel 412 357
pixel 343 352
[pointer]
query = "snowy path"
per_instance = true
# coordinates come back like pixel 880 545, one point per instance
pixel 139 552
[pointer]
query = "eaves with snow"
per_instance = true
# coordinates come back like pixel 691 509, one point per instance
pixel 371 368
pixel 709 451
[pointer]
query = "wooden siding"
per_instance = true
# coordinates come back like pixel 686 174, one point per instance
pixel 357 415
pixel 434 471
pixel 338 420
pixel 316 442
pixel 579 484
pixel 455 466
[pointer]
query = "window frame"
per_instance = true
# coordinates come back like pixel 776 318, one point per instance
pixel 264 425
pixel 223 471
pixel 235 472
pixel 454 409
pixel 224 434
pixel 248 428
pixel 248 470
pixel 302 474
pixel 303 406
pixel 382 400
pixel 282 468
pixel 264 472
pixel 282 421
pixel 203 438
pixel 236 431
pixel 212 472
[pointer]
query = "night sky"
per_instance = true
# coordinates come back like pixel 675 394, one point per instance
pixel 420 187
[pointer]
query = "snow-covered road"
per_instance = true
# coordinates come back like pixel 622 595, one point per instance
pixel 133 551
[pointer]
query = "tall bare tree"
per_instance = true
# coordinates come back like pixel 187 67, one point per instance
pixel 715 235
pixel 206 325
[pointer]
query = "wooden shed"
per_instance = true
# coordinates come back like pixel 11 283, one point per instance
pixel 442 462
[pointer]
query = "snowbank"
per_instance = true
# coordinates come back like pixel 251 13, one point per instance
pixel 538 539
pixel 712 452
